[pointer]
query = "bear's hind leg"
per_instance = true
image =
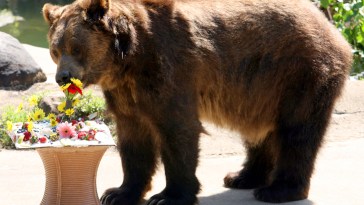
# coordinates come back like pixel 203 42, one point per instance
pixel 300 129
pixel 295 163
pixel 138 155
pixel 257 167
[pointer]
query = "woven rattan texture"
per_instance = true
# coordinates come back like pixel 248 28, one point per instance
pixel 71 175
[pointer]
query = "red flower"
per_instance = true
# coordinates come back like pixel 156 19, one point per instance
pixel 58 119
pixel 74 89
pixel 43 140
pixel 74 122
pixel 82 135
pixel 27 136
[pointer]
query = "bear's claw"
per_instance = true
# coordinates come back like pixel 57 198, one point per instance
pixel 163 199
pixel 119 196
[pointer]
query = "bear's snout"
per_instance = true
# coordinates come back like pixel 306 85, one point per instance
pixel 63 77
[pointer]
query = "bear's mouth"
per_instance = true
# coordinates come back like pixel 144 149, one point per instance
pixel 85 83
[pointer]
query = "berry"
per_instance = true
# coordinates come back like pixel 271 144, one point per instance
pixel 58 119
pixel 27 136
pixel 91 134
pixel 43 140
pixel 82 135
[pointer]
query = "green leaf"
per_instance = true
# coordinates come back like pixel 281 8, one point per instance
pixel 357 5
pixel 347 34
pixel 359 38
pixel 325 3
pixel 348 15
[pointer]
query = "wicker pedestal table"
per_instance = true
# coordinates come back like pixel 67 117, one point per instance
pixel 71 174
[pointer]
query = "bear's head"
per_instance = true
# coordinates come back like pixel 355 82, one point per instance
pixel 87 40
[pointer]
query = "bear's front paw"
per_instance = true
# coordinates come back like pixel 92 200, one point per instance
pixel 163 199
pixel 243 180
pixel 119 196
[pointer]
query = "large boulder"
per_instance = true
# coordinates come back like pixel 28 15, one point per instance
pixel 18 70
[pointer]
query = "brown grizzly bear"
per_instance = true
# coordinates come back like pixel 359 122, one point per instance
pixel 271 70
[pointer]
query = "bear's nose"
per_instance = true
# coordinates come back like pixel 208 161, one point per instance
pixel 63 77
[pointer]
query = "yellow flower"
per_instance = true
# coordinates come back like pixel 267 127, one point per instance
pixel 51 116
pixel 33 100
pixel 30 126
pixel 69 112
pixel 64 87
pixel 9 125
pixel 20 107
pixel 75 102
pixel 53 122
pixel 29 118
pixel 38 114
pixel 77 82
pixel 61 106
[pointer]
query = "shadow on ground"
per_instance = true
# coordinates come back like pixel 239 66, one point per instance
pixel 243 197
pixel 240 197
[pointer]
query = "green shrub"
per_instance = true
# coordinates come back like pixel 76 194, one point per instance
pixel 10 114
pixel 13 114
pixel 89 104
pixel 5 140
pixel 348 17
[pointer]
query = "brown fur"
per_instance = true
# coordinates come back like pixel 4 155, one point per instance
pixel 271 70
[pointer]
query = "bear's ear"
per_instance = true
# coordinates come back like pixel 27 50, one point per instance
pixel 50 13
pixel 95 9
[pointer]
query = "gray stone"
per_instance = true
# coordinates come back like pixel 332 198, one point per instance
pixel 18 70
pixel 50 102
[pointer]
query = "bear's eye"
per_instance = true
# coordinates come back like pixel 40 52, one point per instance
pixel 76 51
